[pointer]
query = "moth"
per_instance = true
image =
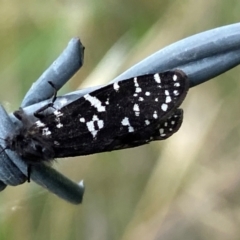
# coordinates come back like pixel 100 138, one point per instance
pixel 124 114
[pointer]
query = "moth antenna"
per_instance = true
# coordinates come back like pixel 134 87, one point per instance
pixel 29 168
pixel 54 97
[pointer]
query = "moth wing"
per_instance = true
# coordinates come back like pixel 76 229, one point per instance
pixel 99 120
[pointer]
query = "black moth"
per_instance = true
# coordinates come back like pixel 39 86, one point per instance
pixel 121 115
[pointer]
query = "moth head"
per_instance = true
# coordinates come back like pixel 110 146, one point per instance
pixel 32 150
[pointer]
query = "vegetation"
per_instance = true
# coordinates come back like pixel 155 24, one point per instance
pixel 186 187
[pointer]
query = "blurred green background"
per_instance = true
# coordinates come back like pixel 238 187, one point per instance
pixel 186 187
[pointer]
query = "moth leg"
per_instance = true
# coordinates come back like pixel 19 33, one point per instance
pixel 39 113
pixel 54 97
pixel 19 114
pixel 29 168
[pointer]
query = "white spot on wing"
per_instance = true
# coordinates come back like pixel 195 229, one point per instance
pixel 116 86
pixel 168 99
pixel 59 125
pixel 138 89
pixel 46 132
pixel 157 78
pixel 91 125
pixel 91 129
pixel 136 109
pixel 176 84
pixel 100 124
pixel 164 107
pixel 175 77
pixel 135 82
pixel 176 92
pixel 147 122
pixel 57 113
pixel 82 119
pixel 147 93
pixel 40 124
pixel 95 103
pixel 125 122
pixel 155 115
